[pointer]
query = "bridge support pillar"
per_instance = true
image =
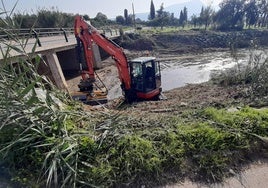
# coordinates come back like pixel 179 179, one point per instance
pixel 56 70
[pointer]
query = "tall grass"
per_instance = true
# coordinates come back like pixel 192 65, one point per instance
pixel 36 119
pixel 256 74
pixel 252 74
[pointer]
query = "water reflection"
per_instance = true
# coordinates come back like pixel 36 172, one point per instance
pixel 197 68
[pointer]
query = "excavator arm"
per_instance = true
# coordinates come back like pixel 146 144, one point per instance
pixel 88 34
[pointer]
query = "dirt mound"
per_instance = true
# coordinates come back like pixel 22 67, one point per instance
pixel 192 96
pixel 133 41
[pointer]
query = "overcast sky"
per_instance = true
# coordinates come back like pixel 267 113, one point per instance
pixel 111 8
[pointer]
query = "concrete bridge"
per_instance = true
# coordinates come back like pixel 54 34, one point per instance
pixel 55 46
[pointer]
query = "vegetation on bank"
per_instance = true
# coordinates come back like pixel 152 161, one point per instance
pixel 174 41
pixel 46 139
pixel 252 75
pixel 45 144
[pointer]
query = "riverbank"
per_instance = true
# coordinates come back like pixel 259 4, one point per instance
pixel 193 41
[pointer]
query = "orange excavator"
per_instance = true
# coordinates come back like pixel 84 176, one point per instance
pixel 140 78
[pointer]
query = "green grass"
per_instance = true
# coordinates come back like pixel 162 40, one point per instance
pixel 158 30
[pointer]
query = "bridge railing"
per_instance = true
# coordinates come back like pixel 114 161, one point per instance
pixel 22 33
pixel 41 33
pixel 10 34
pixel 44 32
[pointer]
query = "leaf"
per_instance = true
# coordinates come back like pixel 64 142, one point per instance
pixel 17 79
pixel 52 174
pixel 13 9
pixel 15 48
pixel 30 87
pixel 262 138
pixel 33 100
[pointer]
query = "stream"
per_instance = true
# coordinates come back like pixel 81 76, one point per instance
pixel 193 69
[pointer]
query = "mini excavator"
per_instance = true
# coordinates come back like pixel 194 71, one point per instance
pixel 140 78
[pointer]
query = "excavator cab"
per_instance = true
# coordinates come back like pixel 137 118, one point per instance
pixel 145 77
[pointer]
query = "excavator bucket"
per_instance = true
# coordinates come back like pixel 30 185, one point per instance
pixel 96 98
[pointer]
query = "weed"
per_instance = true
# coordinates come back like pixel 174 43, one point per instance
pixel 252 75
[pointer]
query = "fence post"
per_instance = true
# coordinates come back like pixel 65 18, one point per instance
pixel 65 35
pixel 37 38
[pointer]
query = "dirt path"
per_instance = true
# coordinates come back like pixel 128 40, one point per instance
pixel 255 176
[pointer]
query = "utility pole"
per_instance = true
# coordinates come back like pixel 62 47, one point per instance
pixel 134 20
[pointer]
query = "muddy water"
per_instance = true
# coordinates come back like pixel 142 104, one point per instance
pixel 188 69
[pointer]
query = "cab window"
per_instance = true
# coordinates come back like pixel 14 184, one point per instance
pixel 136 69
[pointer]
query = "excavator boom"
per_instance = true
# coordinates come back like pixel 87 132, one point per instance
pixel 136 80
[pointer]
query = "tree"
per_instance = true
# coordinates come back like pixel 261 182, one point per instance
pixel 126 16
pixel 194 20
pixel 230 15
pixel 86 17
pixel 152 11
pixel 47 18
pixel 162 16
pixel 206 16
pixel 183 17
pixel 130 19
pixel 263 12
pixel 25 21
pixel 160 12
pixel 101 17
pixel 44 19
pixel 65 20
pixel 252 13
pixel 120 20
pixel 172 20
pixel 100 20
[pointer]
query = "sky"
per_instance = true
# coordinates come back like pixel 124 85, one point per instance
pixel 110 8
